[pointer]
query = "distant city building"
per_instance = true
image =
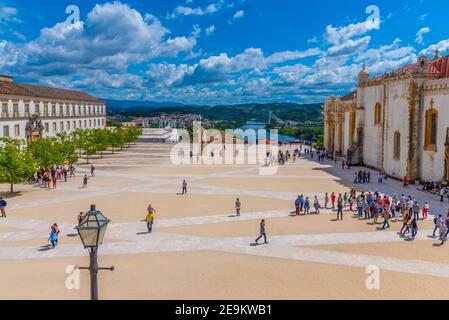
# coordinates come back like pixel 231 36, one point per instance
pixel 397 123
pixel 29 111
pixel 159 135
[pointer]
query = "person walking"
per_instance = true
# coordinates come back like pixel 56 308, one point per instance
pixel 262 232
pixel 414 228
pixel 92 170
pixel 3 205
pixel 316 205
pixel 238 205
pixel 326 200
pixel 387 217
pixel 340 207
pixel 184 187
pixel 150 218
pixel 85 179
pixel 333 197
pixel 425 211
pixel 53 238
pixel 80 217
pixel 53 179
pixel 416 209
pixel 442 194
pixel 436 222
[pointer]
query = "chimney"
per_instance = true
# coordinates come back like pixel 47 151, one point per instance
pixel 4 78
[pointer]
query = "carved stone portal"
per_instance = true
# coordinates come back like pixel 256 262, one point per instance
pixel 34 128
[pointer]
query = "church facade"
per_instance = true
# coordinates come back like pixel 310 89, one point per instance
pixel 28 111
pixel 397 123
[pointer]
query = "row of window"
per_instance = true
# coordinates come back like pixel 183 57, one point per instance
pixel 52 110
pixel 430 130
pixel 58 127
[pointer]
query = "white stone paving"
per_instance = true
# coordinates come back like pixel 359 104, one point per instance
pixel 130 238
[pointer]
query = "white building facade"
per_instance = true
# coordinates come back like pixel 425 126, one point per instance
pixel 400 122
pixel 28 111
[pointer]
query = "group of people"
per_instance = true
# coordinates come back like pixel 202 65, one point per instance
pixel 48 178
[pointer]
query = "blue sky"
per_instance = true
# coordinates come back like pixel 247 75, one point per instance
pixel 215 51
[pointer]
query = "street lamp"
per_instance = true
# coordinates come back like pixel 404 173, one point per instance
pixel 91 231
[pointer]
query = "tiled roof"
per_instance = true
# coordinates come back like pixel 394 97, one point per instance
pixel 438 67
pixel 349 97
pixel 28 90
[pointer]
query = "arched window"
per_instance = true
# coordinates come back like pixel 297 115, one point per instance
pixel 397 145
pixel 377 114
pixel 431 129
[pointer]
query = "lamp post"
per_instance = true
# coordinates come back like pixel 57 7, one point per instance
pixel 91 231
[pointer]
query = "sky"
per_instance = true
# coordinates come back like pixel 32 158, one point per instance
pixel 215 51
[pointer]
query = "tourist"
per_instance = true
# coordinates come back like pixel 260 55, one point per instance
pixel 414 227
pixel 405 226
pixel 316 205
pixel 306 206
pixel 345 199
pixel 262 232
pixel 340 207
pixel 425 211
pixel 436 222
pixel 81 217
pixel 360 206
pixel 85 179
pixel 442 193
pixel 301 203
pixel 416 210
pixel 326 200
pixel 65 175
pixel 53 178
pixel 184 187
pixel 237 207
pixel 53 238
pixel 443 231
pixel 297 205
pixel 3 205
pixel 92 170
pixel 150 218
pixel 386 216
pixel 333 197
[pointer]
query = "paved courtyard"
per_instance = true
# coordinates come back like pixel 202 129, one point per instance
pixel 199 249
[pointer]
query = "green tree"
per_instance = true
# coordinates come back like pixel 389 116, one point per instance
pixel 47 152
pixel 17 165
pixel 118 139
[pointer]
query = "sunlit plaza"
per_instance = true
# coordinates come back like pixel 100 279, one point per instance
pixel 199 249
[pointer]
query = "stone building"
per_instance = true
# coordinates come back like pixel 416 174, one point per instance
pixel 397 123
pixel 29 111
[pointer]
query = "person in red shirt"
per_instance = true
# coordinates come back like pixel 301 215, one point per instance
pixel 333 198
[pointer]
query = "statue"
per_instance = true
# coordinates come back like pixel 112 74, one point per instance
pixel 34 128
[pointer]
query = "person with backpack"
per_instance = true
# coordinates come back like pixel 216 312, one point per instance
pixel 53 238
pixel 387 217
pixel 3 205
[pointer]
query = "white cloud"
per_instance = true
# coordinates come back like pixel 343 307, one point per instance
pixel 239 14
pixel 349 46
pixel 189 11
pixel 209 30
pixel 442 46
pixel 338 36
pixel 112 37
pixel 420 35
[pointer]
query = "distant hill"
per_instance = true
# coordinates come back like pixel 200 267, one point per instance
pixel 126 104
pixel 238 113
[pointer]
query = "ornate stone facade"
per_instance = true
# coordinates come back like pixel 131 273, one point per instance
pixel 398 122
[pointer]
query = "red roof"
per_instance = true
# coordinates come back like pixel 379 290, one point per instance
pixel 28 90
pixel 349 97
pixel 437 67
